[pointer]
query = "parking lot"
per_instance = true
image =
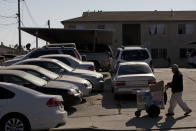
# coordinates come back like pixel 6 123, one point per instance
pixel 101 111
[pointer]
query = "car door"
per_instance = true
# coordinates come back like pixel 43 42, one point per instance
pixel 5 96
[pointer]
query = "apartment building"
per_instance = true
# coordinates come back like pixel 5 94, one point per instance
pixel 169 35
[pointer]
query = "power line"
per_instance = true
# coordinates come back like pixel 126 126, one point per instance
pixel 9 1
pixel 7 16
pixel 29 12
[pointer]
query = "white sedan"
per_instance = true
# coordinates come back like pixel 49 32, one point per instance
pixel 132 76
pixel 23 109
pixel 72 61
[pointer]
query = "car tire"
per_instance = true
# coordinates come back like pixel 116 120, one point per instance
pixel 15 121
pixel 153 111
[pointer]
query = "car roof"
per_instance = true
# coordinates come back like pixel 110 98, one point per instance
pixel 70 48
pixel 15 87
pixel 133 63
pixel 36 80
pixel 56 55
pixel 13 72
pixel 131 48
pixel 40 59
pixel 34 67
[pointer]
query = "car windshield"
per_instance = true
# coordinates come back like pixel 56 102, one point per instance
pixel 134 69
pixel 33 79
pixel 68 68
pixel 48 73
pixel 132 55
pixel 74 59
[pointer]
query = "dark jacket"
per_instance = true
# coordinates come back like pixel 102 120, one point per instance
pixel 177 82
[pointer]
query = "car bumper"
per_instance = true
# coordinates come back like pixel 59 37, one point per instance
pixel 98 85
pixel 86 91
pixel 52 120
pixel 72 100
pixel 128 90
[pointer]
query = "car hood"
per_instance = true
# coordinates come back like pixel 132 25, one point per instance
pixel 60 85
pixel 87 72
pixel 71 79
pixel 135 77
pixel 87 63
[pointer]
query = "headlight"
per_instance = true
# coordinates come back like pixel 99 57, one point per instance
pixel 85 85
pixel 72 91
pixel 100 79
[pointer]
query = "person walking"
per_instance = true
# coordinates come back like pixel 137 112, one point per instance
pixel 176 86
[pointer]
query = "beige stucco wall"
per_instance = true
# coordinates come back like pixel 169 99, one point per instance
pixel 170 40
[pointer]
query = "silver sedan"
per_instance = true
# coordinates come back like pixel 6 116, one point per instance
pixel 72 61
pixel 132 76
pixel 84 85
pixel 59 67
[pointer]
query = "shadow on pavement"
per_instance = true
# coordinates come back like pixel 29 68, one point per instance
pixel 88 129
pixel 124 101
pixel 147 123
pixel 70 110
pixel 169 122
pixel 143 122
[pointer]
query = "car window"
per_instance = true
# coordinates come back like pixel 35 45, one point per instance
pixel 6 94
pixel 69 52
pixel 52 67
pixel 134 69
pixel 62 60
pixel 42 52
pixel 131 55
pixel 31 63
pixel 36 73
pixel 19 81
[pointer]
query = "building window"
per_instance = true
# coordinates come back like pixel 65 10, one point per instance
pixel 185 52
pixel 159 53
pixel 72 27
pixel 156 29
pixel 154 53
pixel 101 27
pixel 186 28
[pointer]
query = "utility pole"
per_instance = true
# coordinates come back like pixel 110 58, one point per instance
pixel 48 22
pixel 19 26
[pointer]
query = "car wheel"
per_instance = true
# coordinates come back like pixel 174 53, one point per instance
pixel 15 123
pixel 153 111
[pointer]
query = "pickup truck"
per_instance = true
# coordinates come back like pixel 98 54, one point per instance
pixel 101 55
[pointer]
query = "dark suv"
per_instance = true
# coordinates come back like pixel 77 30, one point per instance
pixel 46 51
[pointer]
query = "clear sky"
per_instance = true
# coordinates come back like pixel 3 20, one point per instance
pixel 35 13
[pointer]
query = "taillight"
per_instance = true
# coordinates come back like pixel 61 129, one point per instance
pixel 120 83
pixel 53 102
pixel 151 82
pixel 91 68
pixel 78 55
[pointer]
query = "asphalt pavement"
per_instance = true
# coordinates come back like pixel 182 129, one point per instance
pixel 101 112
